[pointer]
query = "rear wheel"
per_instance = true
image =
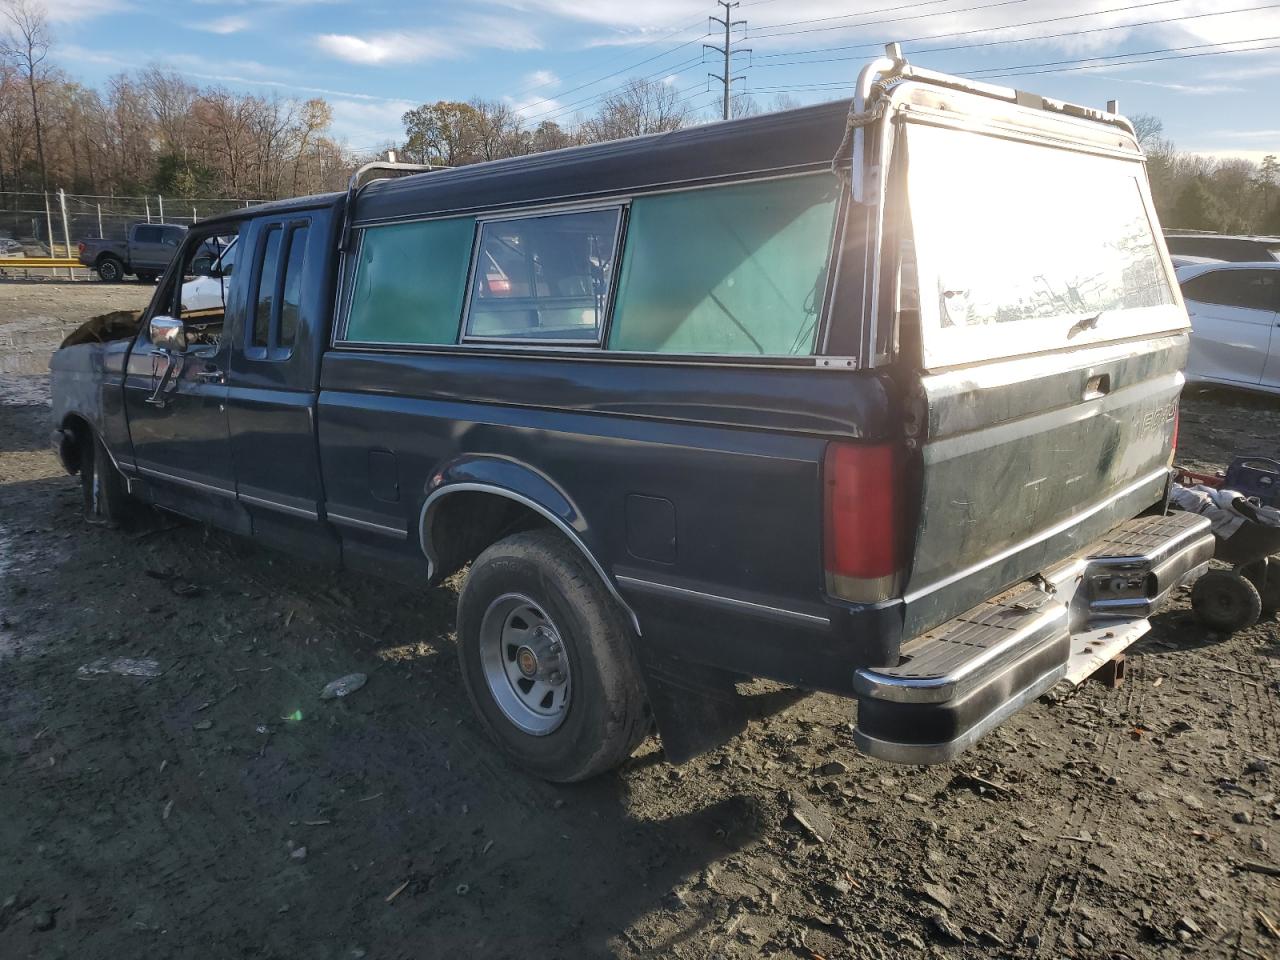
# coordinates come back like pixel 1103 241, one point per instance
pixel 106 498
pixel 547 661
pixel 110 270
pixel 1225 601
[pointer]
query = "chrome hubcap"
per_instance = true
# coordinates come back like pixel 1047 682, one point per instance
pixel 525 664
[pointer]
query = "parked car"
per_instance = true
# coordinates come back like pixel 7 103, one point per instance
pixel 692 408
pixel 145 254
pixel 211 270
pixel 1235 320
pixel 1219 247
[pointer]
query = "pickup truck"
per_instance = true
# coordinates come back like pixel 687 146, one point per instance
pixel 876 397
pixel 145 253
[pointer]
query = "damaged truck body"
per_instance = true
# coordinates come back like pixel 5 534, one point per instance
pixel 699 407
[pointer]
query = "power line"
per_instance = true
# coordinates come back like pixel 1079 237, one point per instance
pixel 555 113
pixel 965 33
pixel 1064 66
pixel 565 109
pixel 872 23
pixel 1013 40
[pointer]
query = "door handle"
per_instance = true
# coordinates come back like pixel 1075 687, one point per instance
pixel 210 374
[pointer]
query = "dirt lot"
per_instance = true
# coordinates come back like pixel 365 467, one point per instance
pixel 222 809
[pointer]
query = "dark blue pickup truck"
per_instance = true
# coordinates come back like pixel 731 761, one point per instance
pixel 874 397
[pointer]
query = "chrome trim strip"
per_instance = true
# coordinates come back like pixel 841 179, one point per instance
pixel 183 481
pixel 716 600
pixel 276 505
pixel 344 521
pixel 564 528
pixel 1061 527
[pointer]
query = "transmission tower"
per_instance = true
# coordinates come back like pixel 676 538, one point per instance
pixel 727 51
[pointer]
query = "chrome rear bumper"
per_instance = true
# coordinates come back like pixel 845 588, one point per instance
pixel 958 681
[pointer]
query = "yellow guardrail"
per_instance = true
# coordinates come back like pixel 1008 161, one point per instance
pixel 39 263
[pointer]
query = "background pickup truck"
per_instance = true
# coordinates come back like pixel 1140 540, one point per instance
pixel 697 407
pixel 145 254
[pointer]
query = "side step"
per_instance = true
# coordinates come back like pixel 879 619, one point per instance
pixel 958 681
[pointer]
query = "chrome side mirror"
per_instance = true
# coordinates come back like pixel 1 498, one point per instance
pixel 168 333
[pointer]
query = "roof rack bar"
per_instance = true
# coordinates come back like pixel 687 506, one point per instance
pixel 355 185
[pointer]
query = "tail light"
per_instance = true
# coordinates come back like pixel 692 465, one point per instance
pixel 80 246
pixel 1177 418
pixel 862 537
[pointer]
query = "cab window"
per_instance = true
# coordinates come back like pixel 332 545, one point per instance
pixel 280 268
pixel 200 300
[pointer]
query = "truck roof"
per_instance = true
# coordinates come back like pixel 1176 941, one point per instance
pixel 791 141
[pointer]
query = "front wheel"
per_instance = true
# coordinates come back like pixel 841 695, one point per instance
pixel 547 661
pixel 106 497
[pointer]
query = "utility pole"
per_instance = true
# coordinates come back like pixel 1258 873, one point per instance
pixel 727 50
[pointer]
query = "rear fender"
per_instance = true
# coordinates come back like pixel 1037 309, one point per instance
pixel 523 484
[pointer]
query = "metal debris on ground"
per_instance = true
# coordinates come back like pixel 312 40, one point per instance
pixel 343 686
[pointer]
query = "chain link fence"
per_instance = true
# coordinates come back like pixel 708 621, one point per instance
pixel 37 222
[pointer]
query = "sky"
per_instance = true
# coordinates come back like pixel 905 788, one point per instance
pixel 555 59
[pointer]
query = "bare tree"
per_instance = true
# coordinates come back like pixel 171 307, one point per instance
pixel 642 106
pixel 26 43
pixel 497 130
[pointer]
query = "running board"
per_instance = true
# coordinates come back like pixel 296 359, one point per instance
pixel 958 681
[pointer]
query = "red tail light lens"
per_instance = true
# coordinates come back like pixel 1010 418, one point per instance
pixel 862 542
pixel 80 246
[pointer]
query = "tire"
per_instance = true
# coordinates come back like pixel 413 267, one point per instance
pixel 547 659
pixel 1267 579
pixel 106 498
pixel 110 270
pixel 1225 601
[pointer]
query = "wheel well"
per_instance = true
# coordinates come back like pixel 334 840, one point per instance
pixel 76 432
pixel 108 255
pixel 463 524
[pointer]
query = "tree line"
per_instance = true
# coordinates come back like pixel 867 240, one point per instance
pixel 1195 192
pixel 153 131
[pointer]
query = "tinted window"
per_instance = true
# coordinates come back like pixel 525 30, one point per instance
pixel 146 235
pixel 292 296
pixel 266 287
pixel 172 235
pixel 1253 289
pixel 544 278
pixel 726 270
pixel 409 281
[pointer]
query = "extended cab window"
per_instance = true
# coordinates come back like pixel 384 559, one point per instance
pixel 543 278
pixel 727 270
pixel 278 290
pixel 409 281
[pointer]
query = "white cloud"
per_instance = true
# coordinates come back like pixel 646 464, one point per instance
pixel 534 109
pixel 74 11
pixel 439 43
pixel 382 48
pixel 221 25
pixel 541 78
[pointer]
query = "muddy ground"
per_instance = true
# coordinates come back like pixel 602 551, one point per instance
pixel 222 809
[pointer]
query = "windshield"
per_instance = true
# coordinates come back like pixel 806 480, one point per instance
pixel 1022 248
